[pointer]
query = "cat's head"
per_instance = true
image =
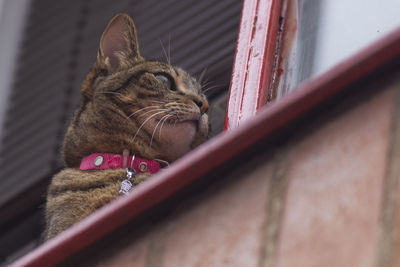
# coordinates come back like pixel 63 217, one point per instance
pixel 151 108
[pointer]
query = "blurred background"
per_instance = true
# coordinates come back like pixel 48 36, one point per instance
pixel 48 47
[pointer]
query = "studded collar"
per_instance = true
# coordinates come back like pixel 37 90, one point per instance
pixel 103 161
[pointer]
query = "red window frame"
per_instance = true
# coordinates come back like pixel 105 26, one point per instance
pixel 254 60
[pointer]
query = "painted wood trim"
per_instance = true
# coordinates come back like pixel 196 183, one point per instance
pixel 254 60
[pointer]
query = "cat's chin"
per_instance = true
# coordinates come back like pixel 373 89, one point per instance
pixel 178 138
pixel 175 139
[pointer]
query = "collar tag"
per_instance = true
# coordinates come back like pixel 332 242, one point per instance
pixel 126 185
pixel 132 164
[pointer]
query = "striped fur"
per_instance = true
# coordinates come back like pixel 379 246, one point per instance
pixel 151 108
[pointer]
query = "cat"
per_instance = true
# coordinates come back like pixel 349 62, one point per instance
pixel 129 105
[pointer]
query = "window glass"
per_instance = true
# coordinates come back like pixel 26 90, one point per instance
pixel 345 27
pixel 318 34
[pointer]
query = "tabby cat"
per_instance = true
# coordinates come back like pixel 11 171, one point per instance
pixel 147 108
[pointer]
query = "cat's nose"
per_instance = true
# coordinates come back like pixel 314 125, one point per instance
pixel 202 104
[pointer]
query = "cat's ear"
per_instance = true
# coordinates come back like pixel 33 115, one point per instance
pixel 119 45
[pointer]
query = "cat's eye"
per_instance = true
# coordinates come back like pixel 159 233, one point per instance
pixel 162 78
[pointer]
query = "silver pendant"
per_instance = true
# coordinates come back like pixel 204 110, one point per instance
pixel 126 184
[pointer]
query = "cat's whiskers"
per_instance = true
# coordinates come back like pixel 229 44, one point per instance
pixel 141 110
pixel 162 124
pixel 165 53
pixel 149 111
pixel 210 88
pixel 180 110
pixel 205 83
pixel 202 75
pixel 141 126
pixel 169 48
pixel 176 111
pixel 165 117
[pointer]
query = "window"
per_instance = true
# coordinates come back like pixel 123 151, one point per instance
pixel 320 34
pixel 297 41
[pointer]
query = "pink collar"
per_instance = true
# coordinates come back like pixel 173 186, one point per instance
pixel 102 161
